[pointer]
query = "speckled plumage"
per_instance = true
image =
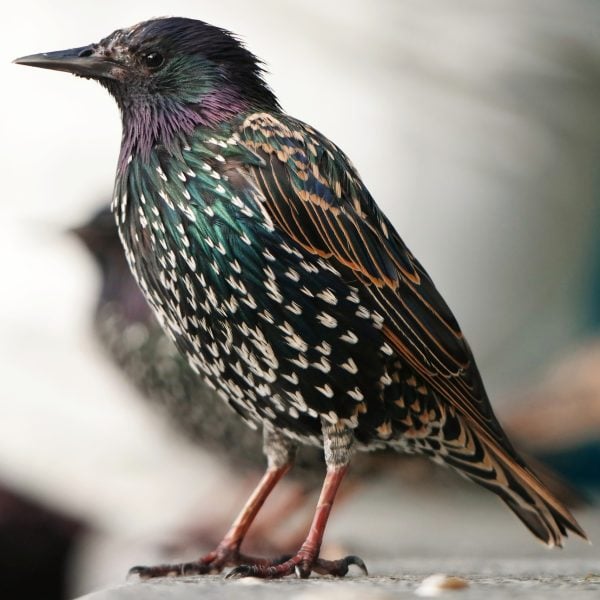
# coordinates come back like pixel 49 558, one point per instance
pixel 282 337
pixel 271 267
pixel 126 328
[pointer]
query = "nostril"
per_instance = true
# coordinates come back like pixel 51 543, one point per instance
pixel 85 53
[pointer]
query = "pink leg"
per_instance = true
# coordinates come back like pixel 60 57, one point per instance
pixel 227 552
pixel 307 558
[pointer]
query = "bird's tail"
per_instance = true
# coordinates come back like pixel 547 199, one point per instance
pixel 483 460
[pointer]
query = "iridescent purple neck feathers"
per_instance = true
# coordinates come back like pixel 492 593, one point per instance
pixel 159 120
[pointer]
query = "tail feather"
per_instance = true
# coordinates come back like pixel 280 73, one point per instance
pixel 480 458
pixel 545 516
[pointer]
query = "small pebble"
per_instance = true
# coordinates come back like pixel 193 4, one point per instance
pixel 249 581
pixel 437 584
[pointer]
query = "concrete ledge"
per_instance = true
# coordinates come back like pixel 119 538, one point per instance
pixel 535 579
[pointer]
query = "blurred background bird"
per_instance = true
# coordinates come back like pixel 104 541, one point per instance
pixel 127 328
pixel 557 418
pixel 494 143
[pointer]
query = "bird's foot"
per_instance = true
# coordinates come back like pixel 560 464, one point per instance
pixel 214 562
pixel 301 565
pixel 172 570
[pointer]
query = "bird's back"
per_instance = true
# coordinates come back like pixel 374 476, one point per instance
pixel 282 283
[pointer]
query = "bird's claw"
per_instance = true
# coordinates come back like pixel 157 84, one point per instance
pixel 359 562
pixel 212 563
pixel 340 567
pixel 299 566
pixel 175 570
pixel 239 572
pixel 250 570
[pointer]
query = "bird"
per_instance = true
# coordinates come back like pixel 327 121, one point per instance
pixel 125 326
pixel 132 338
pixel 283 284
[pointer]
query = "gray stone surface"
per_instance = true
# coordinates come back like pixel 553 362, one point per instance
pixel 405 532
pixel 501 578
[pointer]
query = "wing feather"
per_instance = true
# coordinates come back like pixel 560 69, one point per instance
pixel 315 196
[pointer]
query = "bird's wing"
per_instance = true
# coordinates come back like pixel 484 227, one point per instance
pixel 315 196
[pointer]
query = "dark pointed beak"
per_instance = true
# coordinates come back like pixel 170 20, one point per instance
pixel 82 232
pixel 86 61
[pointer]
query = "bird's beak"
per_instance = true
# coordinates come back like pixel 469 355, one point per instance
pixel 82 232
pixel 86 61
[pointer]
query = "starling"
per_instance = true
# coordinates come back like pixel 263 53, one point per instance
pixel 279 279
pixel 126 328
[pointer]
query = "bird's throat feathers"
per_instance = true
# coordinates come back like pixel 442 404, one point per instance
pixel 153 120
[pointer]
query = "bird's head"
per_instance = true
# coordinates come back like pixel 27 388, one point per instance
pixel 100 236
pixel 168 76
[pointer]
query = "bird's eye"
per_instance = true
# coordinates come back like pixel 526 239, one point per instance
pixel 153 60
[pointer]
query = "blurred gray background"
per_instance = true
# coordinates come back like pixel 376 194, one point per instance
pixel 476 126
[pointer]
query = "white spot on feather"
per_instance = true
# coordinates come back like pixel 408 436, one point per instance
pixel 356 394
pixel 328 296
pixel 349 337
pixel 386 349
pixel 326 390
pixel 300 361
pixel 350 366
pixel 324 348
pixel 327 320
pixel 293 378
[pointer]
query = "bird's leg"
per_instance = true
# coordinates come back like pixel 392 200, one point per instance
pixel 337 441
pixel 266 531
pixel 280 453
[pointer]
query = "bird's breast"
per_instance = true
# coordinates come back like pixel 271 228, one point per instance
pixel 278 332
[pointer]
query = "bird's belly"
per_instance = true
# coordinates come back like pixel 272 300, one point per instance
pixel 283 339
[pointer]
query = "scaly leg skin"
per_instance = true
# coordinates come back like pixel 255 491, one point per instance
pixel 307 558
pixel 337 443
pixel 280 454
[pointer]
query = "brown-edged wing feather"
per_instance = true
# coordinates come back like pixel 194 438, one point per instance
pixel 316 197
